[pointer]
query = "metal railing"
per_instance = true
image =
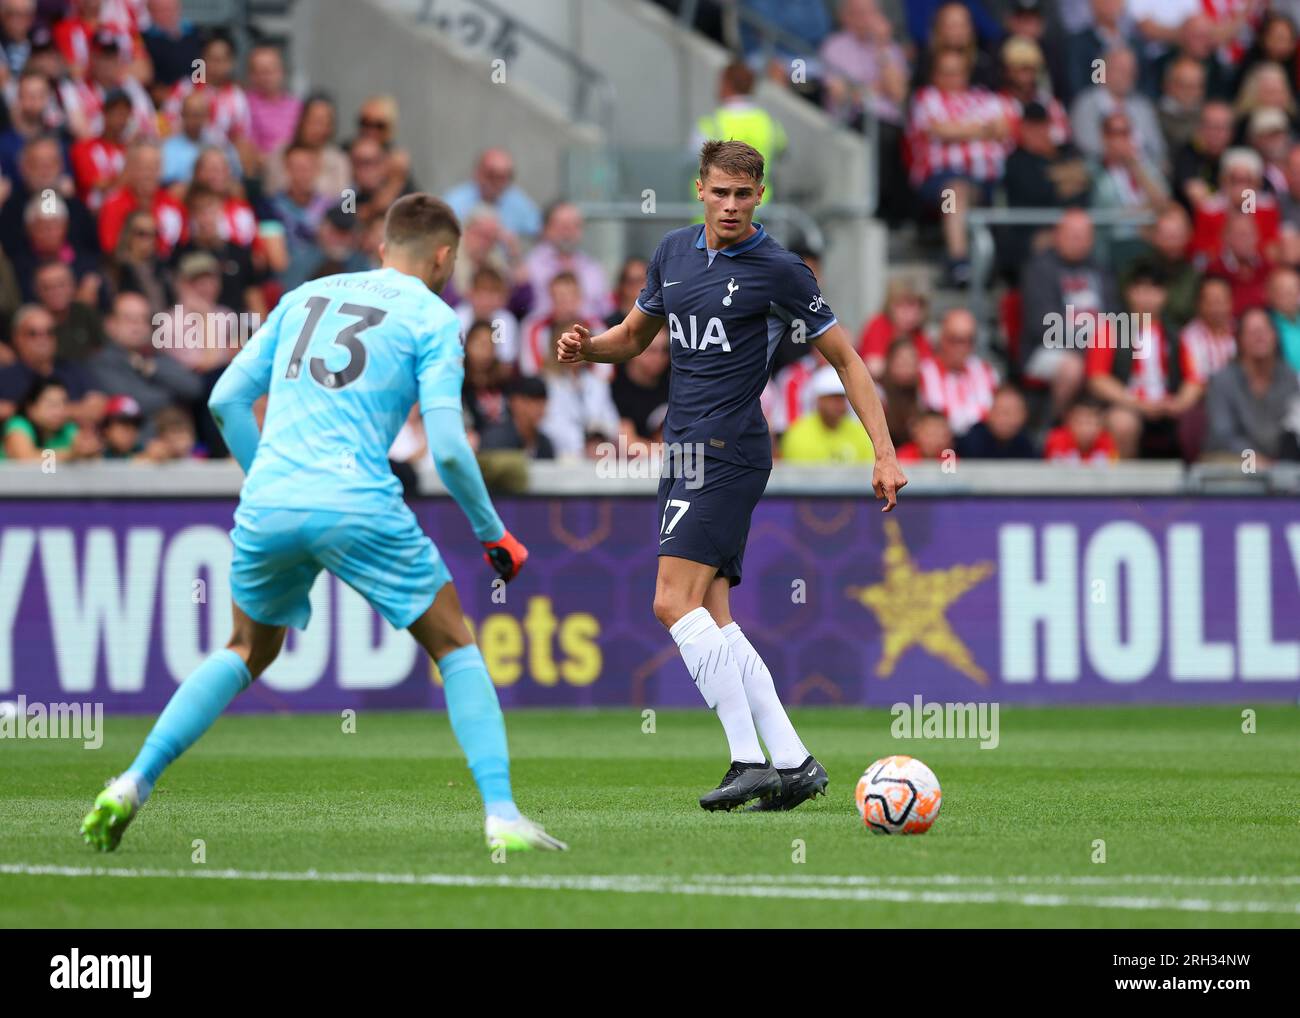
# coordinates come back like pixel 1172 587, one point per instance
pixel 785 216
pixel 1228 478
pixel 593 99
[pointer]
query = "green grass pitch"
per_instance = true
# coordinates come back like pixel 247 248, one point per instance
pixel 303 825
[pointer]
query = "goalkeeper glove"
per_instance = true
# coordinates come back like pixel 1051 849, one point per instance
pixel 507 556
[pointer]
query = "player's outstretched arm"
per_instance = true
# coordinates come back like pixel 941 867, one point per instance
pixel 456 465
pixel 613 346
pixel 887 478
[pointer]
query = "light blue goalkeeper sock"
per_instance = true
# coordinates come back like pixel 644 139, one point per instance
pixel 479 726
pixel 195 705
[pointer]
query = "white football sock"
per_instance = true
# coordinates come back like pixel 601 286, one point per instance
pixel 717 676
pixel 127 786
pixel 778 734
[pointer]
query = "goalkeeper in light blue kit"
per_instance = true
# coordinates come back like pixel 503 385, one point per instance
pixel 343 358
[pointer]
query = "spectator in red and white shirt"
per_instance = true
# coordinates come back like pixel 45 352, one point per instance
pixel 788 396
pixel 97 163
pixel 1144 374
pixel 1235 22
pixel 955 381
pixel 212 170
pixel 229 111
pixel 44 59
pixel 1082 438
pixel 959 138
pixel 1210 337
pixel 84 97
pixel 75 33
pixel 142 188
pixel 902 317
pixel 540 329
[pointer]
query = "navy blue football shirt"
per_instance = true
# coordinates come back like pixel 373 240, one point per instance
pixel 726 312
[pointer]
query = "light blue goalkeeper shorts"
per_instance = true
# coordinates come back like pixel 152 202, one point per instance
pixel 385 557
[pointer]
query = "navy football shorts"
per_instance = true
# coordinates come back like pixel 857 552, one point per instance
pixel 707 519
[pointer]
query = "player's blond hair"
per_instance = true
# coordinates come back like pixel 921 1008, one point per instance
pixel 734 157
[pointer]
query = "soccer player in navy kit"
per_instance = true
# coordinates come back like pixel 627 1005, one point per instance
pixel 729 293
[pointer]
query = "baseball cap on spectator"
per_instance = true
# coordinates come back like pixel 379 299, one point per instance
pixel 527 386
pixel 826 382
pixel 1019 51
pixel 116 96
pixel 1026 6
pixel 198 263
pixel 104 41
pixel 1267 120
pixel 1147 270
pixel 122 408
pixel 1240 159
pixel 1035 113
pixel 340 220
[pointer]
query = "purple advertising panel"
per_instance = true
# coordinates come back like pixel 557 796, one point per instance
pixel 1017 600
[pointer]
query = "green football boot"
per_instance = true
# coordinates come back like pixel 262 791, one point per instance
pixel 115 807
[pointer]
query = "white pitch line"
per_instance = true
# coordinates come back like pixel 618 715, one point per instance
pixel 761 886
pixel 1054 879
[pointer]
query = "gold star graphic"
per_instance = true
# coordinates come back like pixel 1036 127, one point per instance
pixel 911 605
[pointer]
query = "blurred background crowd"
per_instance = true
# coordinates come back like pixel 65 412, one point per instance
pixel 160 188
pixel 1164 133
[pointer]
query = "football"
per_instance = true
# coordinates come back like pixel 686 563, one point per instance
pixel 898 795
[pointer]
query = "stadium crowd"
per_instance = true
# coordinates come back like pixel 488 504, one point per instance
pixel 159 191
pixel 1159 314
